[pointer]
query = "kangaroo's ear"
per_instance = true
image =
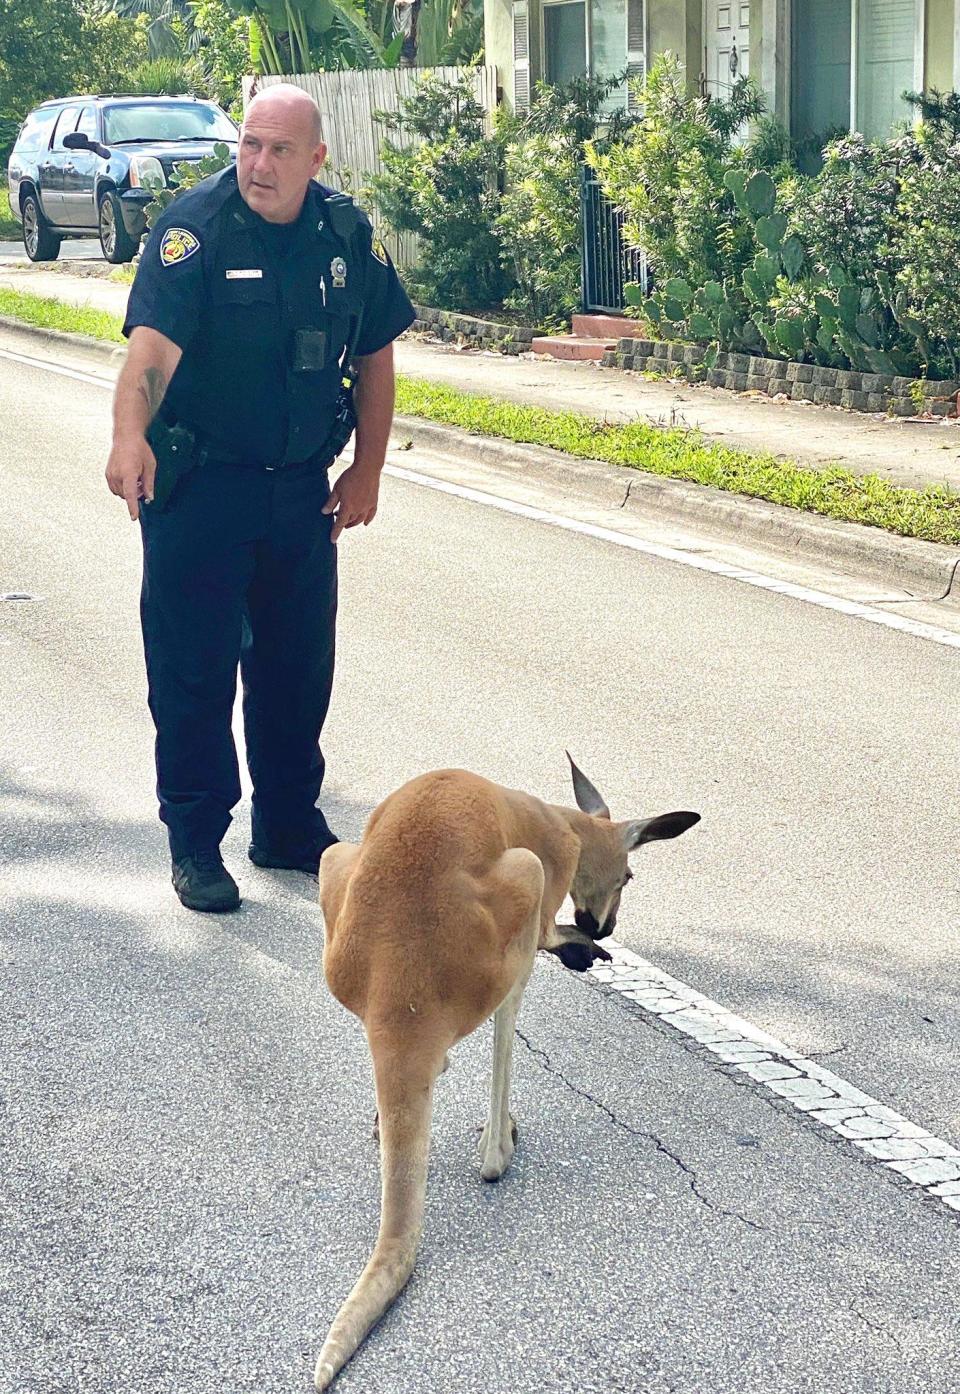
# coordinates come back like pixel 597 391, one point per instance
pixel 588 798
pixel 655 829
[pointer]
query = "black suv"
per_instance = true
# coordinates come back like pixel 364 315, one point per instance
pixel 84 165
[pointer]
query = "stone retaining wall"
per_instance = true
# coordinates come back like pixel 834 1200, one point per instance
pixel 803 382
pixel 478 333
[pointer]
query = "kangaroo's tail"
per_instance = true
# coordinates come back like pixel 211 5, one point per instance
pixel 405 1075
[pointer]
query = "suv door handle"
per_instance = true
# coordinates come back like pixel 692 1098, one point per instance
pixel 71 167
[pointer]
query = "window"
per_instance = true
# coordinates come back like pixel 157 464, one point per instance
pixel 565 40
pixel 885 61
pixel 166 121
pixel 821 69
pixel 602 38
pixel 852 61
pixel 66 124
pixel 35 134
pixel 88 123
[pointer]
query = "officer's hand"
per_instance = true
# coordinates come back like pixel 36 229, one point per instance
pixel 130 472
pixel 354 498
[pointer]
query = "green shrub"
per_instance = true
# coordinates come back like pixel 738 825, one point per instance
pixel 843 215
pixel 538 227
pixel 445 188
pixel 856 266
pixel 539 224
pixel 929 249
pixel 667 173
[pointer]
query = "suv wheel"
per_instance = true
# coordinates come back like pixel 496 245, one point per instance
pixel 40 242
pixel 115 242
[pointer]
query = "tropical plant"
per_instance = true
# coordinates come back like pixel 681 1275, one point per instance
pixel 223 50
pixel 300 36
pixel 169 25
pixel 667 174
pixel 539 222
pixel 442 183
pixel 448 32
pixel 52 48
pixel 169 77
pixel 187 173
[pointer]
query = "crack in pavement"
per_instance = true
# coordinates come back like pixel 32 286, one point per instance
pixel 878 1328
pixel 661 1147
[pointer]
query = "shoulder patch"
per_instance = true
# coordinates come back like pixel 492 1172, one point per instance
pixel 177 245
pixel 379 250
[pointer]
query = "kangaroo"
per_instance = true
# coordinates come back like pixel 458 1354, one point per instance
pixel 432 924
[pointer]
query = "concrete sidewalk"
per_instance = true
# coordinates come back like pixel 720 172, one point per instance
pixel 904 452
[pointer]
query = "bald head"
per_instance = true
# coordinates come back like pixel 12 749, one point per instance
pixel 283 102
pixel 281 150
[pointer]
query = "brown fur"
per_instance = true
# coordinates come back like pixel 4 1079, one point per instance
pixel 432 926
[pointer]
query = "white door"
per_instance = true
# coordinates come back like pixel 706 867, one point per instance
pixel 726 45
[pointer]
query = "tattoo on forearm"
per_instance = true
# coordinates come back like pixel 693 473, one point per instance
pixel 152 387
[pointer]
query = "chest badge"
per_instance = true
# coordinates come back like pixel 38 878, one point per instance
pixel 177 245
pixel 338 271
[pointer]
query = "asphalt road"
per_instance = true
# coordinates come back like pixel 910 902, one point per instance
pixel 189 1183
pixel 71 249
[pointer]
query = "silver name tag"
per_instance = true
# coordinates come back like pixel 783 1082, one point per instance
pixel 254 274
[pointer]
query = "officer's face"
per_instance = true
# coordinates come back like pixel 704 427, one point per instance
pixel 277 158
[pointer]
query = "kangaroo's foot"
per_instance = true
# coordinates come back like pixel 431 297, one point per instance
pixel 496 1151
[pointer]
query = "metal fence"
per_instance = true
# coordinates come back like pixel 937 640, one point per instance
pixel 607 263
pixel 347 102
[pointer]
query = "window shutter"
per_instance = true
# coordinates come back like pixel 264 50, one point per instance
pixel 636 49
pixel 521 56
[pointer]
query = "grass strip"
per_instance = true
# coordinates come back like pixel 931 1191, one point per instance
pixel 9 226
pixel 931 514
pixel 48 313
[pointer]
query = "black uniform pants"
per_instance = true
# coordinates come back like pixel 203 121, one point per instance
pixel 239 569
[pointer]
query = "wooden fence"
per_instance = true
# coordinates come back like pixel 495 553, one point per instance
pixel 347 101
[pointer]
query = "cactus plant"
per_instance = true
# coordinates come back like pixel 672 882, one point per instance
pixel 783 306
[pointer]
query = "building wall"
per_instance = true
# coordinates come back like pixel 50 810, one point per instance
pixel 939 44
pixel 677 26
pixel 498 42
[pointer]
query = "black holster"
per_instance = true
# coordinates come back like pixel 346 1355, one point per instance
pixel 175 450
pixel 344 424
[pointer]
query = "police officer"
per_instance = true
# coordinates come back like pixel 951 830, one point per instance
pixel 255 293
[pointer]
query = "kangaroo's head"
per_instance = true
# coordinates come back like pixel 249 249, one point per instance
pixel 605 846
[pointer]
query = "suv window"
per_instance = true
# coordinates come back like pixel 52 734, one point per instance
pixel 88 123
pixel 166 121
pixel 67 123
pixel 35 133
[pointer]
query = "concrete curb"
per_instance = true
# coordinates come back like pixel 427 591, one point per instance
pixel 925 570
pixel 101 347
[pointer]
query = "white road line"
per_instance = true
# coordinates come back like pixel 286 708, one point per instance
pixel 851 608
pixel 896 1144
pixel 57 368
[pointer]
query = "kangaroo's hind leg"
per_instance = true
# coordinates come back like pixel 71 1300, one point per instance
pixel 522 875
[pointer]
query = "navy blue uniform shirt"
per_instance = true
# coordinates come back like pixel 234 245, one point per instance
pixel 262 313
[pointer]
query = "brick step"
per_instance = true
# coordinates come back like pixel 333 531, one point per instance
pixel 573 346
pixel 601 326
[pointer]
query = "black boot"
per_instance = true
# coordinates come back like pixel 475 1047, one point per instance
pixel 281 860
pixel 202 882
